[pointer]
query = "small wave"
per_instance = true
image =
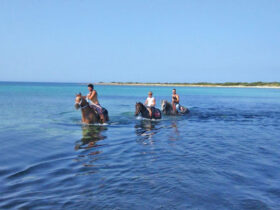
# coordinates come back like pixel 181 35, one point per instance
pixel 37 167
pixel 253 204
pixel 66 112
pixel 127 114
pixel 74 124
pixel 98 124
pixel 146 119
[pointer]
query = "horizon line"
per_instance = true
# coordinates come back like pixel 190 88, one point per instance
pixel 116 82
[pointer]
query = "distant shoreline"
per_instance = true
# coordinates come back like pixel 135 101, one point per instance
pixel 274 85
pixel 228 85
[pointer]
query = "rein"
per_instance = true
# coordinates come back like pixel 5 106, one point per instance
pixel 80 103
pixel 82 107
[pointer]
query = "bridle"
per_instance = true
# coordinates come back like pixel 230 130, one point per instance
pixel 80 104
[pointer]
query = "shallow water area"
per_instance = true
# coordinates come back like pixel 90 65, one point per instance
pixel 224 154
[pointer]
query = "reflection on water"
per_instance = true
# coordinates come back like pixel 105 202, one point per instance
pixel 90 135
pixel 145 130
pixel 173 136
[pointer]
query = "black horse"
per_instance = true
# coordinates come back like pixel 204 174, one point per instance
pixel 140 108
pixel 167 109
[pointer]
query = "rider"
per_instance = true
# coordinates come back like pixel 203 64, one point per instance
pixel 176 101
pixel 150 103
pixel 93 101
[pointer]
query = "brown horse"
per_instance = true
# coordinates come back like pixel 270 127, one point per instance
pixel 89 115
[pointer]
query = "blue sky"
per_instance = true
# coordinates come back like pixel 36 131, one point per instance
pixel 140 41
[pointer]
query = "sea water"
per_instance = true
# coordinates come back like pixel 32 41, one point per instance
pixel 225 154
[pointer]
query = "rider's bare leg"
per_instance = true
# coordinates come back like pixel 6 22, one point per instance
pixel 102 118
pixel 150 112
pixel 174 107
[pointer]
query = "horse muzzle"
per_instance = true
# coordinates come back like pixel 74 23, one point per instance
pixel 77 106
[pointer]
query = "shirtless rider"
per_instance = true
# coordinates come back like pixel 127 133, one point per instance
pixel 92 99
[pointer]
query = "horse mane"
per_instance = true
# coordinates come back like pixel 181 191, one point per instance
pixel 167 103
pixel 82 98
pixel 140 103
pixel 142 108
pixel 168 106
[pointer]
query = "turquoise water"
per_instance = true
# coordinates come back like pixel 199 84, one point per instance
pixel 224 155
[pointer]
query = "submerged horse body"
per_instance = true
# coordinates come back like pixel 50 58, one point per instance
pixel 167 108
pixel 89 114
pixel 141 109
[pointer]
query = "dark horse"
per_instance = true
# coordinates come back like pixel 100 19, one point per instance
pixel 167 109
pixel 140 108
pixel 89 115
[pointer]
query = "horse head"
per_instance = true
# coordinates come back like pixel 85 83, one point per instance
pixel 163 105
pixel 138 108
pixel 80 102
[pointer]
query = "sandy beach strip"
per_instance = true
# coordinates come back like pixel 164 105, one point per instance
pixel 184 85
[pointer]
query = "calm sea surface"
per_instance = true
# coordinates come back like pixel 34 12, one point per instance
pixel 224 155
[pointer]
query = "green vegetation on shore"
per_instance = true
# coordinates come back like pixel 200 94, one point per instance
pixel 226 84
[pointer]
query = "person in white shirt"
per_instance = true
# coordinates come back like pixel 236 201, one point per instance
pixel 150 103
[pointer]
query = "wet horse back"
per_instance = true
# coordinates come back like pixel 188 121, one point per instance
pixel 156 113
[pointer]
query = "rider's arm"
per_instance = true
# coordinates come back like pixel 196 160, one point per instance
pixel 177 98
pixel 92 95
pixel 146 102
pixel 154 102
